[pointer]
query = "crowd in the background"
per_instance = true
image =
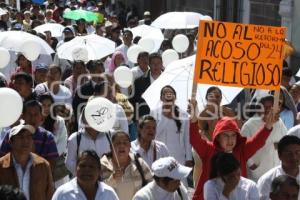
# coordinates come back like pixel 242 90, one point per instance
pixel 51 152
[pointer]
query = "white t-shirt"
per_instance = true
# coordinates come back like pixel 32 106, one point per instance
pixel 264 182
pixel 153 192
pixel 72 191
pixel 64 95
pixel 148 156
pixel 245 190
pixel 100 145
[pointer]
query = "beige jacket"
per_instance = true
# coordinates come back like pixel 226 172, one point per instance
pixel 131 181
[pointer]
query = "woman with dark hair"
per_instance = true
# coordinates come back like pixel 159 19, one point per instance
pixel 24 65
pixel 86 184
pixel 226 181
pixel 56 125
pixel 173 127
pixel 123 171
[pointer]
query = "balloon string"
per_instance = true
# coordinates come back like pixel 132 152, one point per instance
pixel 113 149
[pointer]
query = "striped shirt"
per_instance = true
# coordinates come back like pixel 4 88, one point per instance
pixel 44 144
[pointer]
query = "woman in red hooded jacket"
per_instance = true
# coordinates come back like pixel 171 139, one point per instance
pixel 226 137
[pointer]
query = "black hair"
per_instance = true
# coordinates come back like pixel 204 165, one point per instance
pixel 286 141
pixel 30 104
pixel 118 133
pixel 142 121
pixel 92 154
pixel 223 164
pixel 143 53
pixel 282 180
pixel 25 76
pixel 56 67
pixel 8 192
pixel 78 62
pixel 128 31
pixel 136 39
pixel 209 90
pixel 92 65
pixel 153 56
pixel 19 57
pixel 176 108
pixel 49 121
pixel 287 72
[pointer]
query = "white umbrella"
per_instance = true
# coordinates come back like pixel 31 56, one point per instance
pixel 145 31
pixel 179 74
pixel 177 20
pixel 97 47
pixel 13 41
pixel 55 29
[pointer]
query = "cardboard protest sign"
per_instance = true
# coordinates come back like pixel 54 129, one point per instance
pixel 239 55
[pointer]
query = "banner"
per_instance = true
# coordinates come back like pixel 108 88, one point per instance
pixel 239 55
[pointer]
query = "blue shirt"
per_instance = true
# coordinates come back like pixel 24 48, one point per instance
pixel 44 144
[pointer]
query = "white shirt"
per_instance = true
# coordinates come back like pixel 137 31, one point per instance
pixel 264 182
pixel 295 131
pixel 64 95
pixel 60 135
pixel 245 190
pixel 23 177
pixel 178 143
pixel 265 158
pixel 100 145
pixel 153 192
pixel 137 72
pixel 72 191
pixel 148 156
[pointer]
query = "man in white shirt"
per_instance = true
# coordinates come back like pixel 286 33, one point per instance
pixel 289 155
pixel 264 158
pixel 284 187
pixel 86 138
pixel 143 65
pixel 166 184
pixel 145 146
pixel 127 42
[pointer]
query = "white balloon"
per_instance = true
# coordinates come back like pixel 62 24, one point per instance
pixel 169 56
pixel 80 53
pixel 133 53
pixel 206 18
pixel 147 44
pixel 31 49
pixel 100 114
pixel 180 43
pixel 123 76
pixel 4 57
pixel 10 107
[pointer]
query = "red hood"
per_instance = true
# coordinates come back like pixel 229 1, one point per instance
pixel 227 124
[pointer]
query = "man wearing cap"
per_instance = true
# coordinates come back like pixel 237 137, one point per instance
pixel 166 184
pixel 23 169
pixel 40 73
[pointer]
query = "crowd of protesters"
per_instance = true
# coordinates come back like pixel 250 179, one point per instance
pixel 51 152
